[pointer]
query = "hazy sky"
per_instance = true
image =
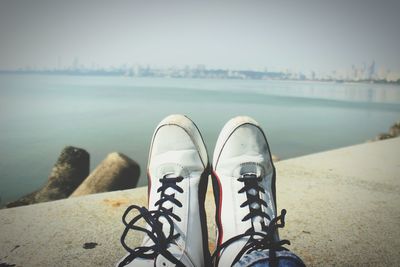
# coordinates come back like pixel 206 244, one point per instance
pixel 299 35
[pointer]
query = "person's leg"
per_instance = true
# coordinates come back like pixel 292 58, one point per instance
pixel 244 188
pixel 178 169
pixel 262 259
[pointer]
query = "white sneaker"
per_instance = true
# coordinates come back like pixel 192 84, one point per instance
pixel 244 188
pixel 178 172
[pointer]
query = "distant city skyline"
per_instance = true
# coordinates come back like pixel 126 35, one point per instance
pixel 307 36
pixel 362 73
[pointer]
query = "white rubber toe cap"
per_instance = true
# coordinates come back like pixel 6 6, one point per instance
pixel 177 132
pixel 240 137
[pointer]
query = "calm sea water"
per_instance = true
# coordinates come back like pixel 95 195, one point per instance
pixel 40 114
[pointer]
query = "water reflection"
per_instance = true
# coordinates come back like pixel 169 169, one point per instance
pixel 370 93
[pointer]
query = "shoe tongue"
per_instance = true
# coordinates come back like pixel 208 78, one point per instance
pixel 170 170
pixel 170 175
pixel 251 169
pixel 178 253
pixel 161 261
pixel 248 168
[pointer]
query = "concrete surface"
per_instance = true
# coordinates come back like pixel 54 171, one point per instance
pixel 343 209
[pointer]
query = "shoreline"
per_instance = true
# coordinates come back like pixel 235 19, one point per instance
pixel 107 174
pixel 333 81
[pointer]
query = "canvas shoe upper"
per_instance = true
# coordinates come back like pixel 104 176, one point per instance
pixel 177 182
pixel 244 189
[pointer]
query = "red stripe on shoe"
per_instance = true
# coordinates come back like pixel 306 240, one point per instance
pixel 219 224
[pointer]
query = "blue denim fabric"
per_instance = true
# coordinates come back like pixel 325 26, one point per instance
pixel 283 262
pixel 261 259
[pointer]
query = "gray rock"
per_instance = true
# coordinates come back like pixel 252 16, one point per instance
pixel 71 168
pixel 115 172
pixel 383 136
pixel 395 129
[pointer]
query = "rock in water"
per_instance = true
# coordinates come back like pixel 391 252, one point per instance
pixel 71 168
pixel 115 172
pixel 395 129
pixel 383 136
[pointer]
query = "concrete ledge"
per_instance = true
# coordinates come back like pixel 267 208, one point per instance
pixel 343 209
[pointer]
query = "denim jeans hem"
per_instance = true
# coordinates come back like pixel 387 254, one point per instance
pixel 256 257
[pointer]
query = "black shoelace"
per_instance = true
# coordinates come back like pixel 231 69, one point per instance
pixel 160 240
pixel 264 240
